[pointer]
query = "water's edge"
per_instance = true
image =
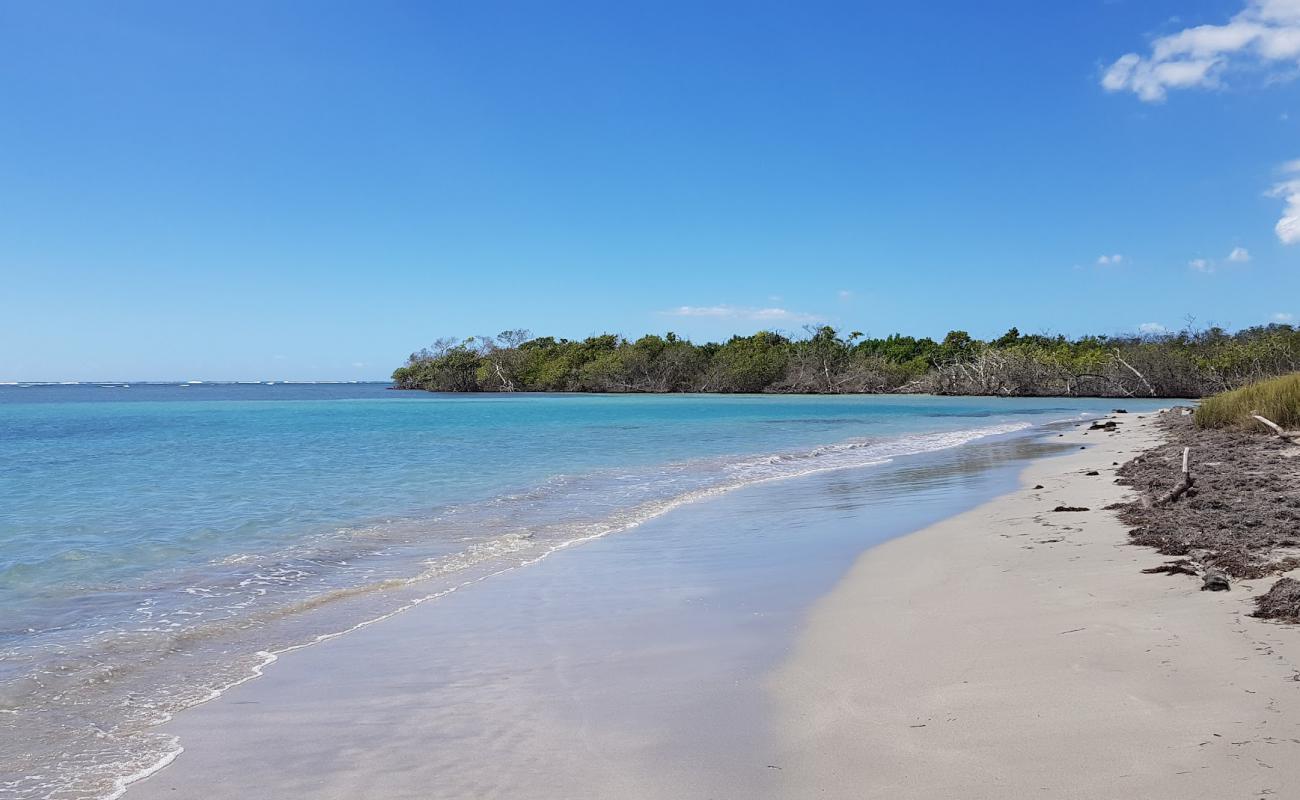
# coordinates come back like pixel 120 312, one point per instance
pixel 92 664
pixel 999 485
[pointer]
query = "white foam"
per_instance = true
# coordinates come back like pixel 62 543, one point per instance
pixel 851 454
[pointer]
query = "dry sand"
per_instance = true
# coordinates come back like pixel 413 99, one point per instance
pixel 1015 652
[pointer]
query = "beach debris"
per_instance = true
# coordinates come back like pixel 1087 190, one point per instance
pixel 1092 472
pixel 1179 566
pixel 1038 486
pixel 1281 601
pixel 1242 562
pixel 1215 581
pixel 1108 425
pixel 1184 483
pixel 1120 411
pixel 1246 520
pixel 1287 436
pixel 1071 508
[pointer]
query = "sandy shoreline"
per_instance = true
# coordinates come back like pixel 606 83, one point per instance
pixel 1014 652
pixel 1005 652
pixel 633 666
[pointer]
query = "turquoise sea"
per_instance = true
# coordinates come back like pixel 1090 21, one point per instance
pixel 159 543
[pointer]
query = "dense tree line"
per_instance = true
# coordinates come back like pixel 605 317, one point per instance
pixel 824 360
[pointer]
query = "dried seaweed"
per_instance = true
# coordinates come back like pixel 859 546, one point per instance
pixel 1179 567
pixel 1281 602
pixel 1246 504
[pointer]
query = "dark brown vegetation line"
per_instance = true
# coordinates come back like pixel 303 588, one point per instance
pixel 824 360
pixel 1240 518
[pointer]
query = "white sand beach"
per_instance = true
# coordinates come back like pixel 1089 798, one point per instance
pixel 1012 652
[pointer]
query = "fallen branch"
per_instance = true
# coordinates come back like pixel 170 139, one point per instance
pixel 1133 369
pixel 1185 482
pixel 1282 433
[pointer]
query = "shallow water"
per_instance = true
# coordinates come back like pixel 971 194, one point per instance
pixel 156 542
pixel 635 666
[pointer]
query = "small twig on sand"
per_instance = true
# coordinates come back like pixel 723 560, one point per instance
pixel 1185 482
pixel 1284 435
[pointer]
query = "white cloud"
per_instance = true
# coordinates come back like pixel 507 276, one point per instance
pixel 1239 255
pixel 1105 260
pixel 1266 33
pixel 1282 316
pixel 358 364
pixel 740 312
pixel 1288 227
pixel 1201 265
pixel 1152 327
pixel 844 294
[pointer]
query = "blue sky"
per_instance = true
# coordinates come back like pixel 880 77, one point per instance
pixel 311 190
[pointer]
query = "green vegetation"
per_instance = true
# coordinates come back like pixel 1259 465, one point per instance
pixel 1277 399
pixel 824 361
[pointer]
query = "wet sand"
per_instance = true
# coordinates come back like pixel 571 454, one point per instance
pixel 722 651
pixel 1016 652
pixel 630 667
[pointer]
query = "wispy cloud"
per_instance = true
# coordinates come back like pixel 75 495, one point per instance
pixel 1264 35
pixel 1283 316
pixel 1237 255
pixel 1105 260
pixel 1152 327
pixel 844 294
pixel 1288 227
pixel 743 313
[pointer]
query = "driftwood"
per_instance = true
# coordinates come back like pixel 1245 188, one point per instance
pixel 1282 433
pixel 1185 482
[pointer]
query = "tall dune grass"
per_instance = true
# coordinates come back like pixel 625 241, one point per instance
pixel 1277 399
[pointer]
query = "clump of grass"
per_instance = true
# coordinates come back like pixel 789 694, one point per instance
pixel 1277 399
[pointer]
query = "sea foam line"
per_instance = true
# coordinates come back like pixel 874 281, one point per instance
pixel 941 441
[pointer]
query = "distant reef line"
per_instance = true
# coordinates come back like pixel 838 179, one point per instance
pixel 825 360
